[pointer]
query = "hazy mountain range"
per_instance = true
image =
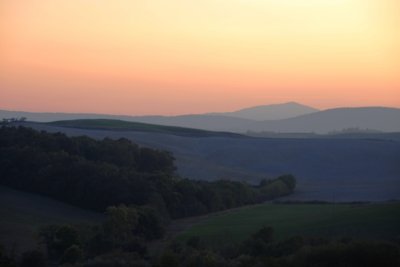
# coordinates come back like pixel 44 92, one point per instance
pixel 270 112
pixel 293 117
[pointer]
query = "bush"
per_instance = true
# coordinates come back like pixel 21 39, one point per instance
pixel 355 254
pixel 72 255
pixel 34 258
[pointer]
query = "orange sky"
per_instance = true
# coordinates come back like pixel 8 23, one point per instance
pixel 179 56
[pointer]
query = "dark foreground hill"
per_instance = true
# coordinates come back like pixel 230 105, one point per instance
pixel 23 214
pixel 332 169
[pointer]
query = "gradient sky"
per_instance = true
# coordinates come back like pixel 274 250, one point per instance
pixel 181 56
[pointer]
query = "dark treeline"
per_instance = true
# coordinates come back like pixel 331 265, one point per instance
pixel 95 174
pixel 126 230
pixel 262 250
pixel 116 243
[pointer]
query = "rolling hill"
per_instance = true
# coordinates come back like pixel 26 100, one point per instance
pixel 333 169
pixel 322 122
pixel 373 118
pixel 119 125
pixel 264 112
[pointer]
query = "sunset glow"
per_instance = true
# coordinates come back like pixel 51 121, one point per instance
pixel 174 56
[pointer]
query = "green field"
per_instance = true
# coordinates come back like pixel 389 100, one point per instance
pixel 119 125
pixel 369 221
pixel 22 214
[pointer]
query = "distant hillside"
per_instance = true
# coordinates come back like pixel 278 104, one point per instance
pixel 270 112
pixel 367 118
pixel 372 118
pixel 267 112
pixel 119 125
pixel 205 122
pixel 57 116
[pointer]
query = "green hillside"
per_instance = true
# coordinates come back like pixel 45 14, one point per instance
pixel 326 220
pixel 120 125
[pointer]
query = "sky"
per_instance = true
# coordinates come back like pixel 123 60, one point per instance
pixel 140 57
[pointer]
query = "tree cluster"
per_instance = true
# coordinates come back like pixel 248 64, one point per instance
pixel 126 229
pixel 114 243
pixel 262 250
pixel 96 174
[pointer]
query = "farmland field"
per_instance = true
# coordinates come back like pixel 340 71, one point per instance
pixel 367 221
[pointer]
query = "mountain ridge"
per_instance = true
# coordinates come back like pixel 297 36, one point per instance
pixel 270 112
pixel 383 119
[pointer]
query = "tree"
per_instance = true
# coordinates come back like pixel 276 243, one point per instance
pixel 6 260
pixel 169 259
pixel 121 223
pixel 72 255
pixel 265 234
pixel 34 258
pixel 289 180
pixel 58 238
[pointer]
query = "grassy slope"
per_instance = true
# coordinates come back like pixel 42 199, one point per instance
pixel 22 214
pixel 328 220
pixel 107 124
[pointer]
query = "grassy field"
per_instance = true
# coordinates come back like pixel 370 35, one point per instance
pixel 367 221
pixel 119 125
pixel 22 214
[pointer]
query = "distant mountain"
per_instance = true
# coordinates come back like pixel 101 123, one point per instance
pixel 366 118
pixel 270 112
pixel 267 112
pixel 205 122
